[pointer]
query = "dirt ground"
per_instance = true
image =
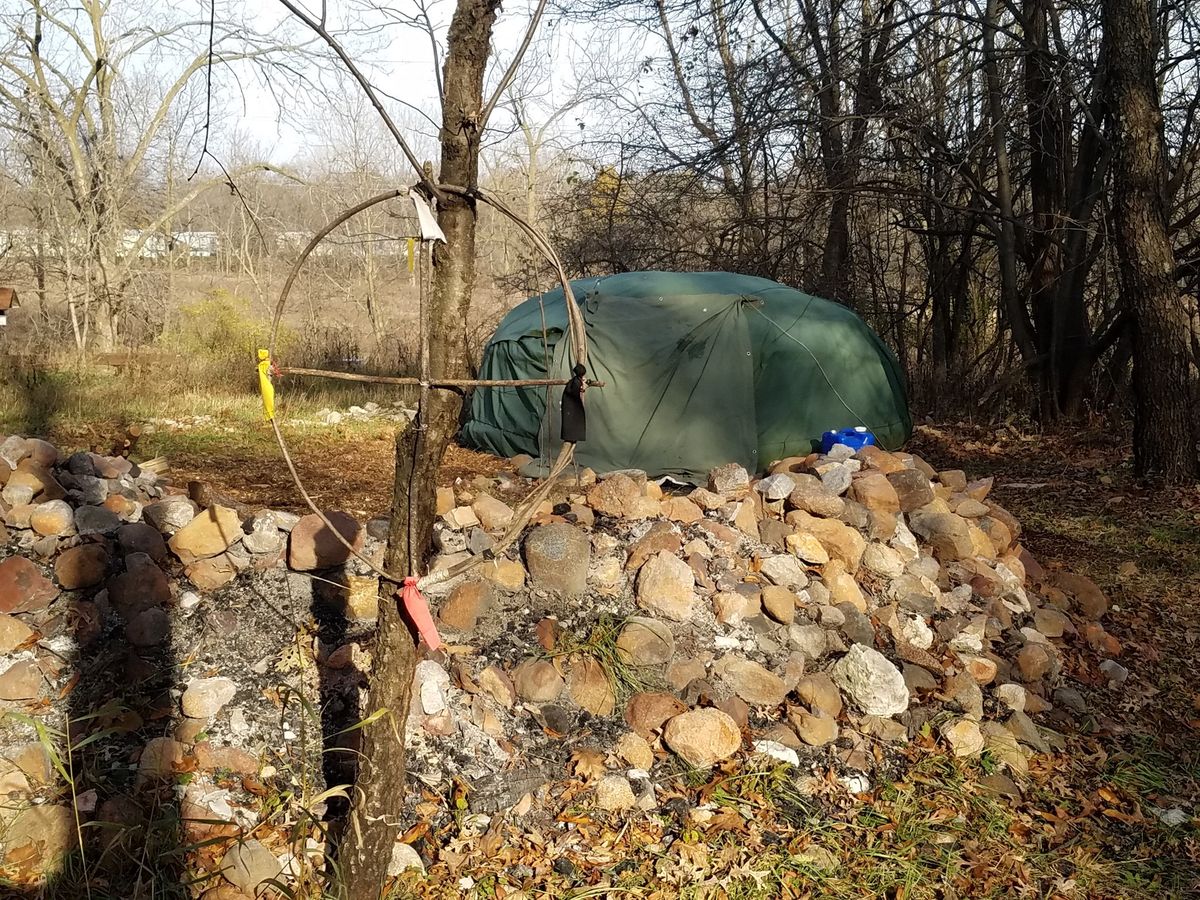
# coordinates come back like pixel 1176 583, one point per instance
pixel 1092 824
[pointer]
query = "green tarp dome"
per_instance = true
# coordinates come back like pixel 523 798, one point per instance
pixel 700 369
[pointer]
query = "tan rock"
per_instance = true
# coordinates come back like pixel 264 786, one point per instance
pixel 314 545
pixel 493 514
pixel 209 533
pixel 996 511
pixel 21 681
pixel 682 510
pixel 645 642
pixel 882 560
pixel 729 480
pixel 445 500
pixel 162 757
pixel 614 793
pixel 506 574
pixel 839 539
pixel 646 712
pixel 805 546
pixel 460 518
pixel 752 682
pixel 54 517
pixel 981 544
pixel 874 457
pixel 537 681
pixel 1035 662
pixel 969 508
pixel 213 757
pixel 13 634
pixel 731 607
pixel 998 533
pixel 661 537
pixel 964 737
pixel 1052 622
pixel 980 668
pixel 642 507
pixel 810 495
pixel 946 532
pixel 954 479
pixel 706 499
pixel 666 586
pixel 980 488
pixel 814 728
pixel 23 587
pixel 125 509
pixel 614 496
pixel 779 603
pixel 205 697
pixel 723 534
pixel 496 683
pixel 703 737
pixel 467 603
pixel 634 749
pixel 82 567
pixel 39 836
pixel 211 573
pixel 33 760
pixel 589 687
pixel 791 464
pixel 818 692
pixel 875 492
pixel 842 586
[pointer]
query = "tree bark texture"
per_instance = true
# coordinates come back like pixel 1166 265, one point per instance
pixel 380 787
pixel 1164 435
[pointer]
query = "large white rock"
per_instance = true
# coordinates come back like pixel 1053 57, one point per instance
pixel 871 682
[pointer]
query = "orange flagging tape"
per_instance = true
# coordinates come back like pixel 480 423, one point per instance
pixel 418 612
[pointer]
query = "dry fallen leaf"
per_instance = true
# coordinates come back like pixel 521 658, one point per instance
pixel 522 806
pixel 588 764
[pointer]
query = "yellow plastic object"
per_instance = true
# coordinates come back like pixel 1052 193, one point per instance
pixel 265 385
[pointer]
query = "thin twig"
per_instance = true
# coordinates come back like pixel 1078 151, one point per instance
pixel 439 383
pixel 318 27
pixel 212 27
pixel 511 73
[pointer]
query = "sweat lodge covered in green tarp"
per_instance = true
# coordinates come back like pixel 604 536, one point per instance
pixel 699 369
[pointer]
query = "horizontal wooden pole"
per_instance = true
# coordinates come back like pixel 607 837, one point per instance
pixel 442 383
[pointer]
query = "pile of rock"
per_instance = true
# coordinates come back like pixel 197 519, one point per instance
pixel 839 606
pixel 394 412
pixel 122 626
pixel 823 614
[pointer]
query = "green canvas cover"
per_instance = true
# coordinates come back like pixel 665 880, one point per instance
pixel 700 369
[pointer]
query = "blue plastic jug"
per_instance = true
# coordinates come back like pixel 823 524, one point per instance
pixel 852 437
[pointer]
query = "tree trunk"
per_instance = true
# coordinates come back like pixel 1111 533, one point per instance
pixel 380 787
pixel 1164 434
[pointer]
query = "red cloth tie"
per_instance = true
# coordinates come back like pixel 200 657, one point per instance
pixel 417 608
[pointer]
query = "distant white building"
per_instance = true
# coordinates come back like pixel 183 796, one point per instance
pixel 197 244
pixel 155 246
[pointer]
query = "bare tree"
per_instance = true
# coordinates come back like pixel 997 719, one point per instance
pixel 79 97
pixel 1164 438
